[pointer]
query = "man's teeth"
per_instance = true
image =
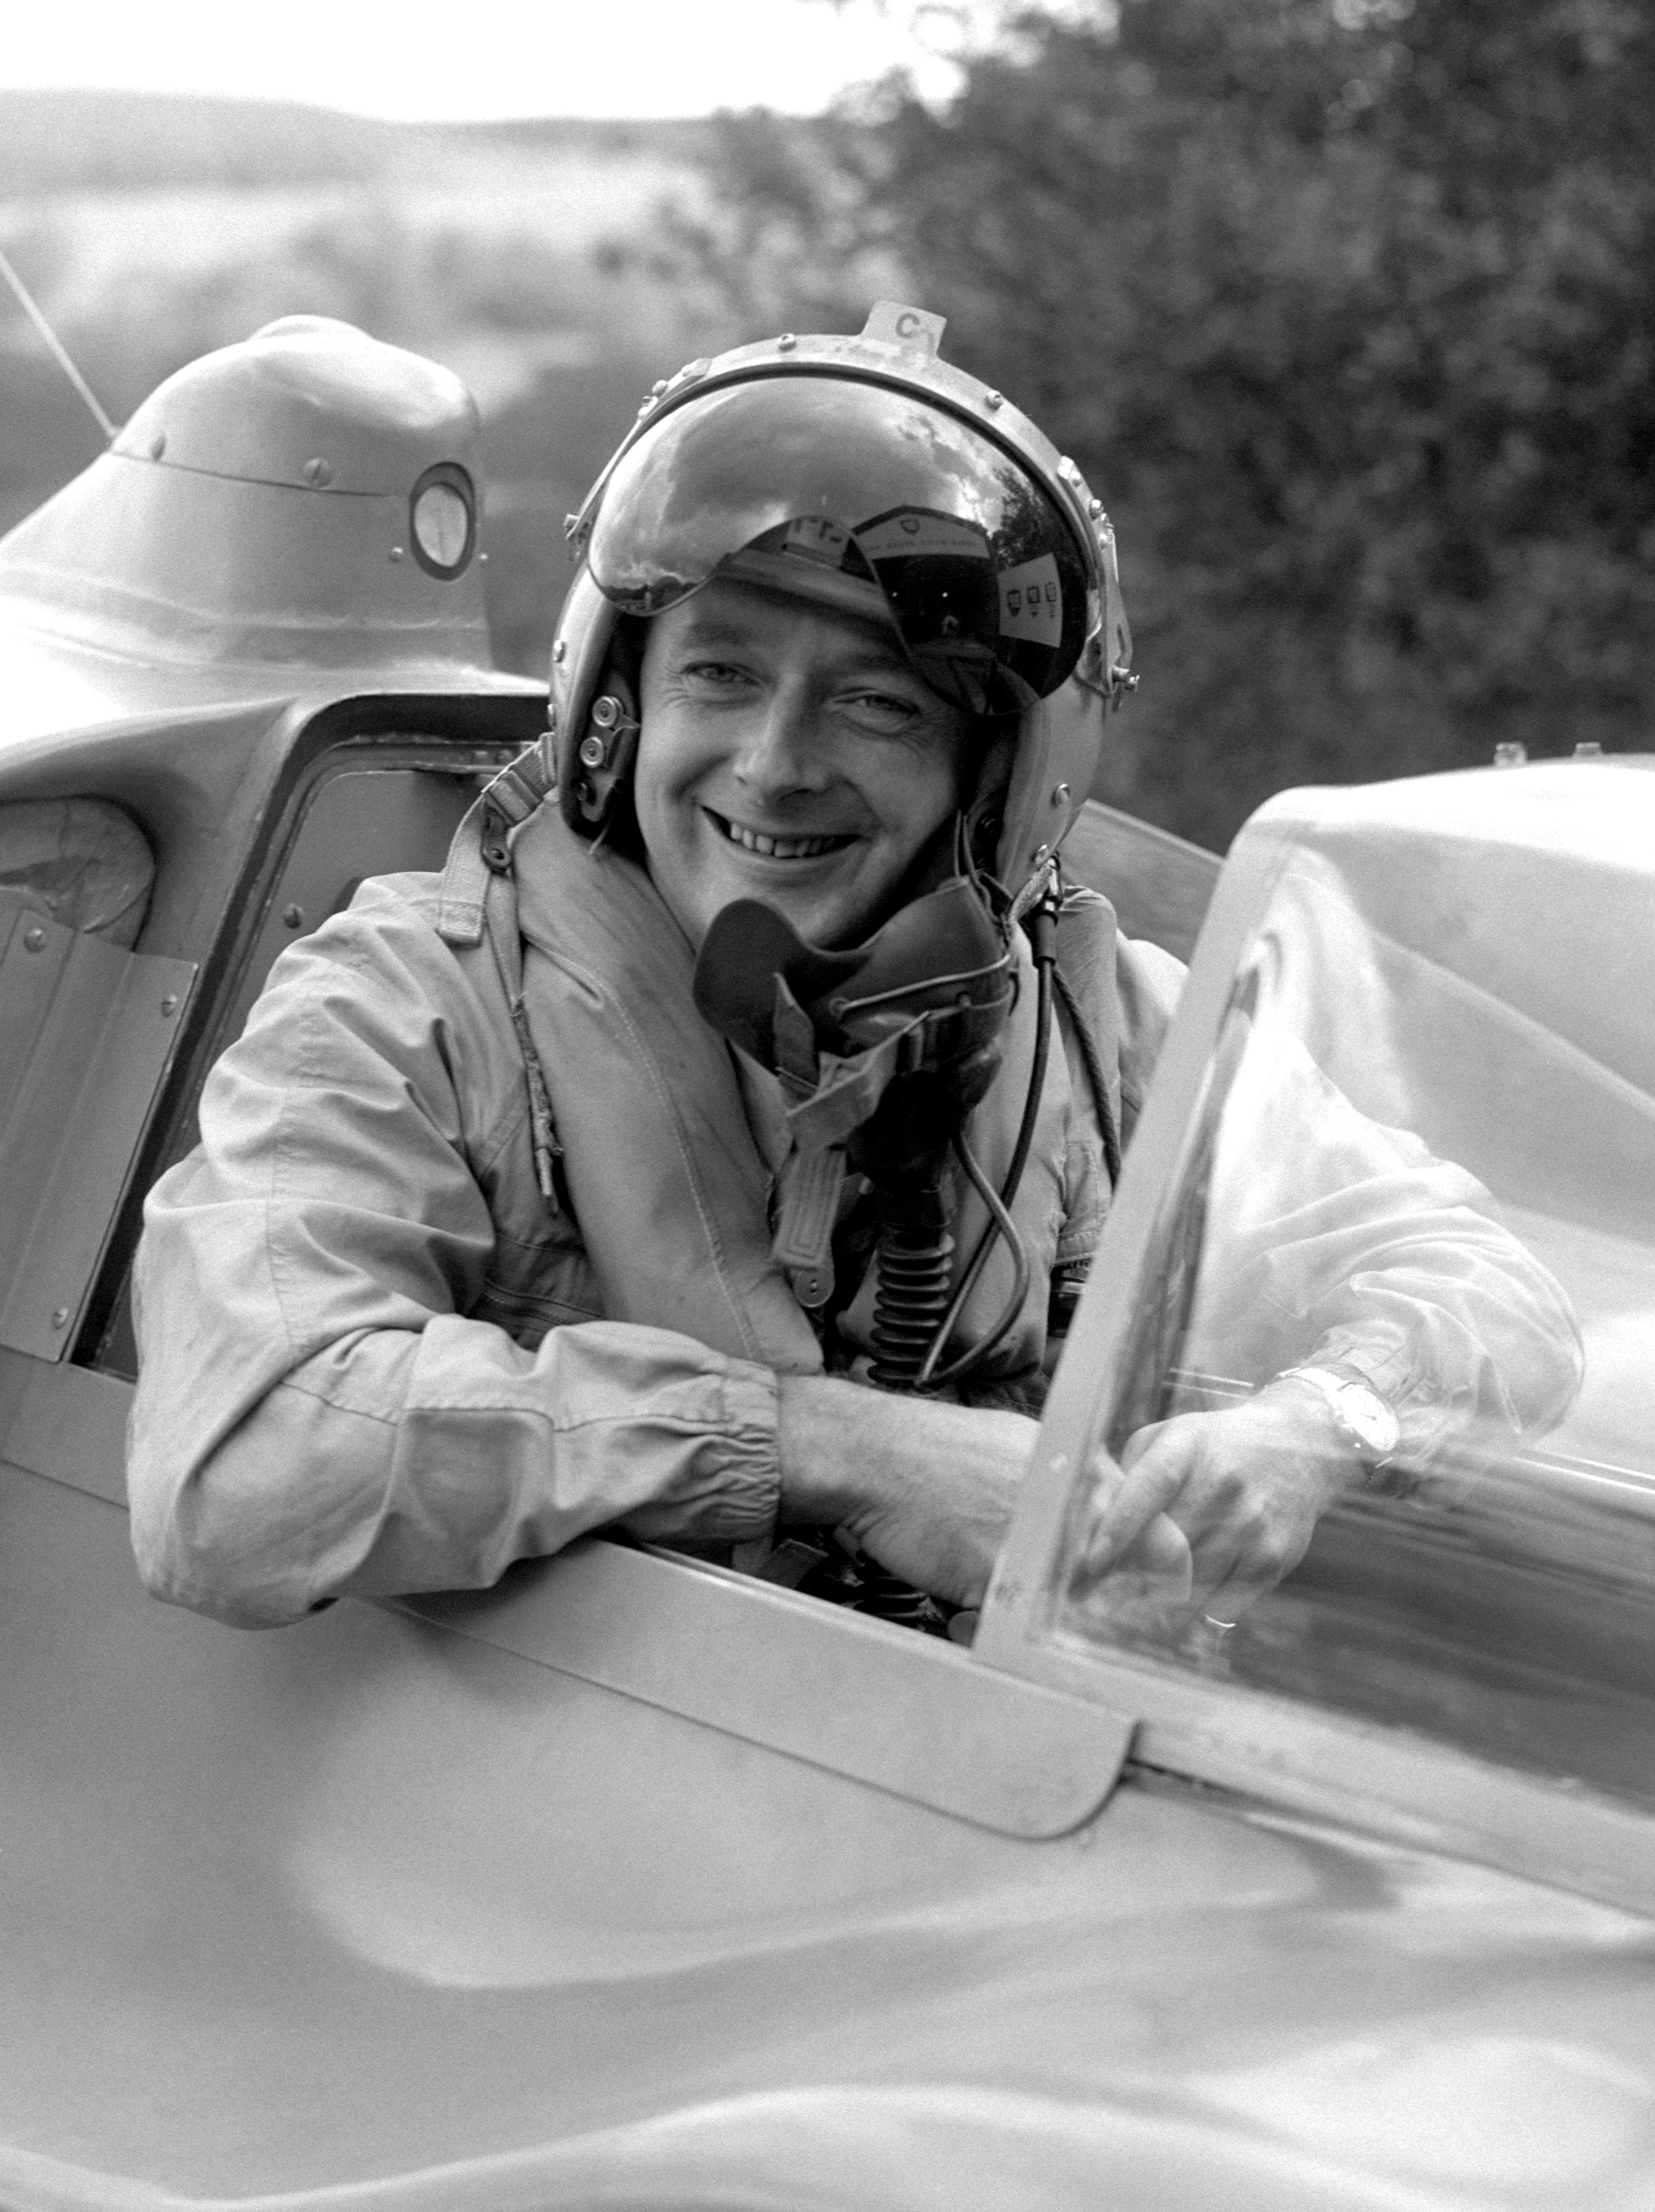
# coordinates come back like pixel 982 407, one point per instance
pixel 781 849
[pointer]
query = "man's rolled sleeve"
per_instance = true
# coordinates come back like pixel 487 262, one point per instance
pixel 319 1410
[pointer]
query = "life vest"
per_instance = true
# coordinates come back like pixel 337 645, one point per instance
pixel 672 1156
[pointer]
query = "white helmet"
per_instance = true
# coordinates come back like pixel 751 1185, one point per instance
pixel 865 474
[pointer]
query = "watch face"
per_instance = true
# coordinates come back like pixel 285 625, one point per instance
pixel 1371 1420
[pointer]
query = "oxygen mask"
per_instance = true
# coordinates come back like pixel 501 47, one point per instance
pixel 881 1052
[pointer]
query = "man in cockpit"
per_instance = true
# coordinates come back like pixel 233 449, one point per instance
pixel 716 1149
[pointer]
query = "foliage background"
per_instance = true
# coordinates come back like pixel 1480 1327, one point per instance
pixel 1348 306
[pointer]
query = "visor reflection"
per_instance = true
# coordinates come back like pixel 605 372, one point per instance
pixel 863 498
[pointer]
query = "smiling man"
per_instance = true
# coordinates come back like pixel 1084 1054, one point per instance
pixel 715 1148
pixel 792 754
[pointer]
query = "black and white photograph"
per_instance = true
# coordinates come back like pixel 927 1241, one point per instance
pixel 827 1106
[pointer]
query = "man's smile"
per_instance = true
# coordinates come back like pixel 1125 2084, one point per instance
pixel 772 844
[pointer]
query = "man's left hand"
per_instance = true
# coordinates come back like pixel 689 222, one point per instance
pixel 1243 1487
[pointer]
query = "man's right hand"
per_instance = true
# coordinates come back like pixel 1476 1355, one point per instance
pixel 925 1488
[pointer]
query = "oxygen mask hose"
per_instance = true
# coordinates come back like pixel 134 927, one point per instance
pixel 915 1265
pixel 899 1153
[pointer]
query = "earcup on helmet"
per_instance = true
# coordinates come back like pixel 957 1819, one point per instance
pixel 1059 743
pixel 588 632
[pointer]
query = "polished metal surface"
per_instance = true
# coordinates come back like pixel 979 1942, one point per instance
pixel 906 1713
pixel 370 1912
pixel 255 510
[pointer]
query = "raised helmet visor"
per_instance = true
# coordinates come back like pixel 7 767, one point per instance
pixel 865 498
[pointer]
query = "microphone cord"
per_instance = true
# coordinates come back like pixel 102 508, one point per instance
pixel 1043 936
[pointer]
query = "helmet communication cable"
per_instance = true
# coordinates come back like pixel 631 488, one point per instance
pixel 1041 924
pixel 1000 1224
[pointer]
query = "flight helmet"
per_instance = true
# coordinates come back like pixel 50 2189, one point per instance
pixel 862 473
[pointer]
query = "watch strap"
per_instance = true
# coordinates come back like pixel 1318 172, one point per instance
pixel 1368 1423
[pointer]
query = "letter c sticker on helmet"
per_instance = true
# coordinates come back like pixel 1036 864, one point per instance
pixel 912 328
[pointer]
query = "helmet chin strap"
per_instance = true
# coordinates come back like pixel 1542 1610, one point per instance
pixel 885 1049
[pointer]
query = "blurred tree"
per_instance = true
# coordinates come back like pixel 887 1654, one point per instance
pixel 1349 308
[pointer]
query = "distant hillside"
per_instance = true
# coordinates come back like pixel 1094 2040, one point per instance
pixel 68 141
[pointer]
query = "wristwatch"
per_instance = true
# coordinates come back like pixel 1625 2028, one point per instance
pixel 1363 1418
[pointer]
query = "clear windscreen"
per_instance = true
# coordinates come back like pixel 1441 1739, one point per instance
pixel 1422 1154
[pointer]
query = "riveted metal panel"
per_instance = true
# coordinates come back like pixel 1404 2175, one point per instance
pixel 86 1034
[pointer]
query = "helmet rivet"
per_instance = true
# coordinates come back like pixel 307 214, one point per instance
pixel 787 341
pixel 606 712
pixel 1060 795
pixel 1041 852
pixel 657 387
pixel 1094 508
pixel 318 473
pixel 593 751
pixel 644 409
pixel 396 552
pixel 994 399
pixel 561 650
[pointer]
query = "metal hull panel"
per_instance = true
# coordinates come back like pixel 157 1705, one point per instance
pixel 372 1905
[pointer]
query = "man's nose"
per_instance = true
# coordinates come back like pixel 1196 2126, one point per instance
pixel 783 751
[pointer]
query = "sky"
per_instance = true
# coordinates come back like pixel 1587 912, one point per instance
pixel 428 59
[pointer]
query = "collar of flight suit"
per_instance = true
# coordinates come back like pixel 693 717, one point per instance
pixel 674 1197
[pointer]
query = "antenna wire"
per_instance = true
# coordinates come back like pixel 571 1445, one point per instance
pixel 57 348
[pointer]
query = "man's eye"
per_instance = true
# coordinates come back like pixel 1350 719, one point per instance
pixel 719 673
pixel 884 702
pixel 887 709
